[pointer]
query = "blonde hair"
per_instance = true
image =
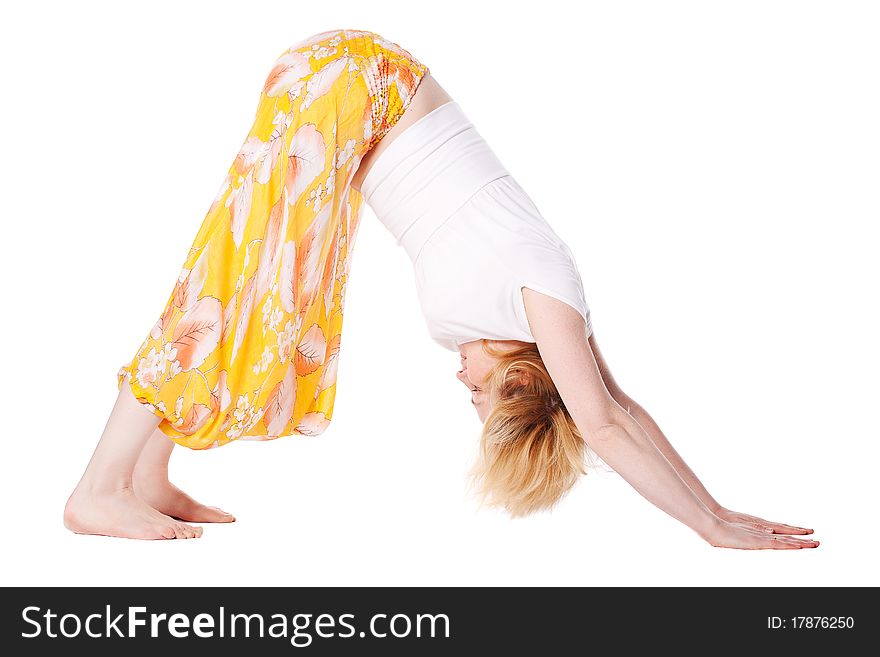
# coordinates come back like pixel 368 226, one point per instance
pixel 531 452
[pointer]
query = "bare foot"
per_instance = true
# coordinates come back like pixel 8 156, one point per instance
pixel 167 498
pixel 121 513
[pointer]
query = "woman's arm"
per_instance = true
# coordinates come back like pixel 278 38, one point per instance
pixel 654 432
pixel 606 427
pixel 659 439
pixel 656 435
pixel 615 435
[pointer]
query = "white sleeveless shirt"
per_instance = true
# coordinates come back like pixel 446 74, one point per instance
pixel 474 236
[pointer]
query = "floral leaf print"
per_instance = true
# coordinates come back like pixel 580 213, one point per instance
pixel 290 68
pixel 403 80
pixel 279 407
pixel 198 332
pixel 195 419
pixel 375 75
pixel 159 326
pixel 224 186
pixel 252 150
pixel 322 81
pixel 345 154
pixel 312 424
pixel 246 307
pixel 329 276
pixel 227 420
pixel 269 157
pixel 331 365
pixel 228 315
pixel 186 291
pixel 239 202
pixel 165 318
pixel 178 295
pixel 194 282
pixel 393 47
pixel 269 252
pixel 152 366
pixel 317 38
pixel 347 216
pixel 295 90
pixel 306 157
pixel 310 351
pixel 246 415
pixel 286 337
pixel 267 160
pixel 220 396
pixel 367 120
pixel 275 246
pixel 309 256
pixel 286 282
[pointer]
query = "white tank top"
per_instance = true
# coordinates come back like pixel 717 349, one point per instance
pixel 474 236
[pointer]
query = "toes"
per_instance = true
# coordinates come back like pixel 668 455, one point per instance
pixel 192 531
pixel 166 531
pixel 221 515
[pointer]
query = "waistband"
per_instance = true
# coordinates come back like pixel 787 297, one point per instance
pixel 428 172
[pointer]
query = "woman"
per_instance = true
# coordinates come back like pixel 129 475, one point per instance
pixel 248 343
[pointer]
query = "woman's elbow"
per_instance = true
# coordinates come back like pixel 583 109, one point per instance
pixel 605 435
pixel 614 427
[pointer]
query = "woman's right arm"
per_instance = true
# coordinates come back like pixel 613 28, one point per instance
pixel 615 436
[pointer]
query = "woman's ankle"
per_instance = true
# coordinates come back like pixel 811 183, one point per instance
pixel 104 485
pixel 149 475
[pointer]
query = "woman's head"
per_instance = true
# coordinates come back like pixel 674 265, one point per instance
pixel 531 452
pixel 476 364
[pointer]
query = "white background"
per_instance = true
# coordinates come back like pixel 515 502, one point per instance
pixel 713 166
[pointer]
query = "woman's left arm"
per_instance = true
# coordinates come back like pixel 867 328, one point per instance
pixel 656 435
pixel 640 415
pixel 620 440
pixel 608 429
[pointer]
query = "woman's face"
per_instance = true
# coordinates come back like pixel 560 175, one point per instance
pixel 475 367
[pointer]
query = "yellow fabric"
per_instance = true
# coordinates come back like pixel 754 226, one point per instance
pixel 248 343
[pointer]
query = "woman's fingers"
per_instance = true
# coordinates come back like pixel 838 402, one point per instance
pixel 755 526
pixel 782 528
pixel 762 527
pixel 782 542
pixel 744 535
pixel 740 536
pixel 769 526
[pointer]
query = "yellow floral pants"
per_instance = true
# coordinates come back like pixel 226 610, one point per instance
pixel 248 343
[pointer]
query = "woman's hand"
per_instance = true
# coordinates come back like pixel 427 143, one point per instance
pixel 730 535
pixel 753 522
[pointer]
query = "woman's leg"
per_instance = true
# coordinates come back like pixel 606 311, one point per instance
pixel 104 502
pixel 151 484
